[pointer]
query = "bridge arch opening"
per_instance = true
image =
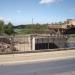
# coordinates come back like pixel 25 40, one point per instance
pixel 70 31
pixel 41 46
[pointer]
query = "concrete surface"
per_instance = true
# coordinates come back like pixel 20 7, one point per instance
pixel 56 67
pixel 31 57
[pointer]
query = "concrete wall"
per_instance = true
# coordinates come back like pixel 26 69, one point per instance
pixel 28 43
pixel 22 43
pixel 60 42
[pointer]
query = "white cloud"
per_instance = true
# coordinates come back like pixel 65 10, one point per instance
pixel 5 19
pixel 48 1
pixel 1 18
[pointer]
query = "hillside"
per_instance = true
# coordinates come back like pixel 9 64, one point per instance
pixel 29 29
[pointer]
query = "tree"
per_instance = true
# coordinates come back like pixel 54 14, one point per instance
pixel 60 23
pixel 1 27
pixel 9 29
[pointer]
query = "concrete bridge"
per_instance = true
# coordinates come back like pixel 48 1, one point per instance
pixel 68 27
pixel 32 42
pixel 56 37
pixel 48 42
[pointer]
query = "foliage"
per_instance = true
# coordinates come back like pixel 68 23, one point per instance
pixel 8 29
pixel 30 29
pixel 1 26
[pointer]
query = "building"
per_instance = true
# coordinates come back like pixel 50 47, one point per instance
pixel 70 22
pixel 58 29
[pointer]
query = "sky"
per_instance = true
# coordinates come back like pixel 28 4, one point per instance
pixel 41 11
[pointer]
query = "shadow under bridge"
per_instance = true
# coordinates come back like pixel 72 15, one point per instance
pixel 39 46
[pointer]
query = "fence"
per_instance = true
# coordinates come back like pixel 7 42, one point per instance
pixel 21 43
pixel 10 44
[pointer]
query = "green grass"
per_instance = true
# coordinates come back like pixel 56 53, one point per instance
pixel 32 29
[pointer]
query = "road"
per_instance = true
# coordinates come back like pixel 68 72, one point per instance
pixel 59 67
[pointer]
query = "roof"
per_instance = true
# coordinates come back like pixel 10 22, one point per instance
pixel 57 26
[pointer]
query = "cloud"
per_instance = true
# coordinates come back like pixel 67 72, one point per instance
pixel 48 1
pixel 5 19
pixel 1 18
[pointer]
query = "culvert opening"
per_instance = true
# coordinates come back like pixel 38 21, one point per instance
pixel 42 46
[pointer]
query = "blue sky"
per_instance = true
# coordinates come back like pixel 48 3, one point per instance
pixel 42 11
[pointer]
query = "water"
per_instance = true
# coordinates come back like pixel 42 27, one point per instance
pixel 70 45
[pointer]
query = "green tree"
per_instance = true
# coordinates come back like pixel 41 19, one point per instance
pixel 60 23
pixel 1 27
pixel 9 29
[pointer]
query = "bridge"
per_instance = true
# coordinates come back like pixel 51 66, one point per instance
pixel 57 37
pixel 40 42
pixel 68 27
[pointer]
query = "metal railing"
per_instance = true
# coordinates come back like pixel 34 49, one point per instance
pixel 23 44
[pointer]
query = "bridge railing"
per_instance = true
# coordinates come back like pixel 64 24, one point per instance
pixel 17 44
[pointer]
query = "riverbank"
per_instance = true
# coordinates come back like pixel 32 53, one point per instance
pixel 35 57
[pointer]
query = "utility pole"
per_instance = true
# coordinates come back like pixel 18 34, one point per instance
pixel 33 25
pixel 32 21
